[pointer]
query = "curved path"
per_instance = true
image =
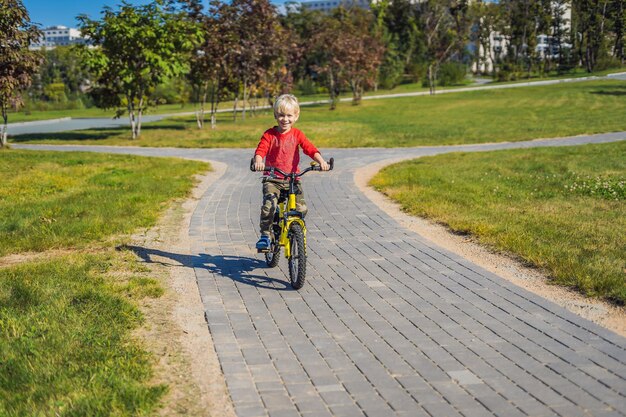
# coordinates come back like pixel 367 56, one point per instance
pixel 388 324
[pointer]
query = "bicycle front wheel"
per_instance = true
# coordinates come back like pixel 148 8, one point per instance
pixel 297 260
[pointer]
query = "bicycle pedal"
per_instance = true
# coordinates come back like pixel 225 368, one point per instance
pixel 262 250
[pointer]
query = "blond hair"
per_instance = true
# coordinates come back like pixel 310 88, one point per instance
pixel 286 102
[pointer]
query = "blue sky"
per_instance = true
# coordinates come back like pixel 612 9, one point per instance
pixel 64 12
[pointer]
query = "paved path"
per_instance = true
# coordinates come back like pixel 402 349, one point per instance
pixel 387 324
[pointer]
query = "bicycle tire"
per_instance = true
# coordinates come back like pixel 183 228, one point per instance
pixel 297 260
pixel 273 256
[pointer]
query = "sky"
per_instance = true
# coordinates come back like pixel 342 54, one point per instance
pixel 64 12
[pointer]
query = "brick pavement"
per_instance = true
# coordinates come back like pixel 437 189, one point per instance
pixel 387 323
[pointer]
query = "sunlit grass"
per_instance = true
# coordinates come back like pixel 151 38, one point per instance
pixel 561 209
pixel 65 339
pixel 66 321
pixel 457 118
pixel 57 200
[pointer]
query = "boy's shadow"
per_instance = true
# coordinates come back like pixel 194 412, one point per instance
pixel 237 268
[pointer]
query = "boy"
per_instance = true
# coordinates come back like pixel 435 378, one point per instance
pixel 279 146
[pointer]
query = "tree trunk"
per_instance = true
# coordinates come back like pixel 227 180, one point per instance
pixel 431 79
pixel 215 99
pixel 200 112
pixel 357 92
pixel 235 107
pixel 139 114
pixel 331 90
pixel 3 131
pixel 131 117
pixel 245 100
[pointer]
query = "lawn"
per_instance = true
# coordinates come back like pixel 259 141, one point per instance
pixel 457 118
pixel 560 209
pixel 58 200
pixel 67 319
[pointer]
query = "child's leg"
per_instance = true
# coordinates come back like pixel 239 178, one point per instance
pixel 300 203
pixel 270 200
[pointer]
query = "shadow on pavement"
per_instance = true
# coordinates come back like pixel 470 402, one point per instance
pixel 237 268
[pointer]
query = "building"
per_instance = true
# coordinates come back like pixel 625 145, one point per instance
pixel 328 5
pixel 54 36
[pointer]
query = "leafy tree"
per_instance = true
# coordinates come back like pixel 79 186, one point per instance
pixel 363 51
pixel 487 21
pixel 17 62
pixel 136 49
pixel 210 70
pixel 590 18
pixel 445 24
pixel 63 64
pixel 256 25
pixel 348 52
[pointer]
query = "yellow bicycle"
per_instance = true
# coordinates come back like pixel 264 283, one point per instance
pixel 289 228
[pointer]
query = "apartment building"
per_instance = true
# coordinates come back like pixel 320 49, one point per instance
pixel 54 36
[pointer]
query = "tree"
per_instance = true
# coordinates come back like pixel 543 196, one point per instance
pixel 259 33
pixel 136 49
pixel 17 62
pixel 209 70
pixel 487 20
pixel 362 50
pixel 348 52
pixel 445 26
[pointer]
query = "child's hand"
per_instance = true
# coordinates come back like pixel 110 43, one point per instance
pixel 259 165
pixel 324 165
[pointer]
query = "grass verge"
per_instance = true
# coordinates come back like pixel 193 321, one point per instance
pixel 457 118
pixel 66 339
pixel 67 321
pixel 52 200
pixel 560 209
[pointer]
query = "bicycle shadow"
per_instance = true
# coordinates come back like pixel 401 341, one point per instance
pixel 238 268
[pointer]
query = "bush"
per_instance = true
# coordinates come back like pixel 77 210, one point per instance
pixel 417 73
pixel 607 62
pixel 391 73
pixel 307 87
pixel 451 73
pixel 40 105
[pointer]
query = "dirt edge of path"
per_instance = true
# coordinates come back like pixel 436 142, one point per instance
pixel 175 329
pixel 602 313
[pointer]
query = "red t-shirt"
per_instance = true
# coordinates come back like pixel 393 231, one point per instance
pixel 281 150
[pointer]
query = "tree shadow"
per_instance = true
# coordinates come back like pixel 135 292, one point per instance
pixel 92 134
pixel 617 90
pixel 238 268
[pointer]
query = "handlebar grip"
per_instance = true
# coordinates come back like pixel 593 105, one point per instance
pixel 331 162
pixel 252 165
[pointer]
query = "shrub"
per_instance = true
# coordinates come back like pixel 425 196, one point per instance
pixel 451 73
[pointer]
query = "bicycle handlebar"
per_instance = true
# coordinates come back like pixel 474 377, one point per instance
pixel 315 167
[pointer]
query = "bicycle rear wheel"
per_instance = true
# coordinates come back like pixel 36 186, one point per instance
pixel 297 260
pixel 273 256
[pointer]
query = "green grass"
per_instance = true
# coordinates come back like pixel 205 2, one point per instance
pixel 66 321
pixel 561 209
pixel 65 340
pixel 456 118
pixel 54 200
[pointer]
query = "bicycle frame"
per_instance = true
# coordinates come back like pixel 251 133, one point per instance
pixel 289 215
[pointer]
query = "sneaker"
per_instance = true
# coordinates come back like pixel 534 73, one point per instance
pixel 264 243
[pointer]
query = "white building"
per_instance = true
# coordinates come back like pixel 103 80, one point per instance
pixel 54 36
pixel 328 5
